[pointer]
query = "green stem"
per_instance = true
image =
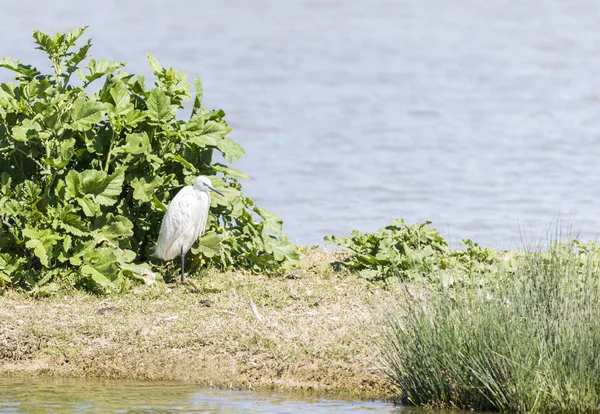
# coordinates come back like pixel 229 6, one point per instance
pixel 112 142
pixel 32 159
pixel 57 61
pixel 50 183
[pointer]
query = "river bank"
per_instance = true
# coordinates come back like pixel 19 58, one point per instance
pixel 310 330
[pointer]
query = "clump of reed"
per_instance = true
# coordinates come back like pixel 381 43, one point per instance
pixel 526 341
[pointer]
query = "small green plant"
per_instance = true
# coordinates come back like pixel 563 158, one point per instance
pixel 86 174
pixel 407 252
pixel 416 252
pixel 473 257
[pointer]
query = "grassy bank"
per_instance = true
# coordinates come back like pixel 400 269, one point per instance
pixel 526 341
pixel 312 331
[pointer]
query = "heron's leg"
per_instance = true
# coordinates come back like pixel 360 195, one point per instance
pixel 182 267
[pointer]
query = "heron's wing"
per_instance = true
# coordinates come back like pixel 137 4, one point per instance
pixel 179 225
pixel 204 199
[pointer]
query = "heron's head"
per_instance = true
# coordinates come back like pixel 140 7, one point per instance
pixel 203 184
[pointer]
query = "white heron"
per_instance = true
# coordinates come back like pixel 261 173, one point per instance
pixel 184 221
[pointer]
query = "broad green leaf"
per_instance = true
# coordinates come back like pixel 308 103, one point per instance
pixel 215 115
pixel 90 207
pixel 135 271
pixel 180 160
pixel 140 189
pixel 8 101
pixel 27 71
pixel 74 225
pixel 30 89
pixel 199 95
pixel 66 152
pixel 92 181
pixel 11 266
pixel 104 189
pixel 67 149
pixel 45 279
pixel 154 160
pixel 175 84
pixel 103 259
pixel 75 34
pixel 215 130
pixel 117 227
pixel 100 68
pixel 60 190
pixel 112 187
pixel 230 194
pixel 80 248
pixel 40 241
pixel 125 256
pixel 67 243
pixel 238 208
pixel 31 191
pixel 271 221
pixel 196 123
pixel 134 117
pixel 154 63
pixel 29 129
pixel 75 261
pixel 209 136
pixel 367 259
pixel 5 180
pixel 284 250
pixel 97 278
pixel 45 42
pixel 121 99
pixel 81 75
pixel 144 190
pixel 136 143
pixel 73 184
pixel 5 278
pixel 159 107
pixel 13 208
pixel 46 290
pixel 209 245
pixel 233 172
pixel 77 58
pixel 86 113
pixel 230 149
pixel 39 250
pixel 138 84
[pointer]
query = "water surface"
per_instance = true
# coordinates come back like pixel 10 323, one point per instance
pixel 482 116
pixel 80 395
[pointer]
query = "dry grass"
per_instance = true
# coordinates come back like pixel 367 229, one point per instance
pixel 310 330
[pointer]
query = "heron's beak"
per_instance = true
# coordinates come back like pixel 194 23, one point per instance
pixel 218 192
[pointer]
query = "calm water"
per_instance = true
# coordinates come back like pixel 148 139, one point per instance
pixel 482 116
pixel 56 395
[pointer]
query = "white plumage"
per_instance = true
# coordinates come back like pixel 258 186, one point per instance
pixel 184 221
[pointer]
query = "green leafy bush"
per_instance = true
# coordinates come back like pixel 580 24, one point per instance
pixel 395 250
pixel 86 174
pixel 417 251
